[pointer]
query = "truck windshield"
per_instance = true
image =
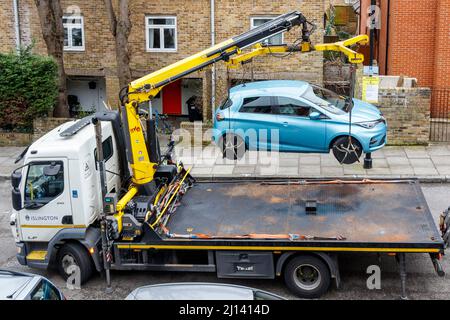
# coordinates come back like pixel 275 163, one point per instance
pixel 43 185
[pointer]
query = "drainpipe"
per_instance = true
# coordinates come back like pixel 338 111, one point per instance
pixel 372 35
pixel 16 23
pixel 213 70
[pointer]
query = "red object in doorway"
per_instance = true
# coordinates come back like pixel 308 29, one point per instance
pixel 172 98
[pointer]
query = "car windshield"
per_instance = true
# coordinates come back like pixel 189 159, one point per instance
pixel 326 99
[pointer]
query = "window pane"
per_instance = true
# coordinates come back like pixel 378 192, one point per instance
pixel 292 107
pixel 259 21
pixel 66 37
pixel 77 39
pixel 154 40
pixel 45 181
pixel 274 40
pixel 226 104
pixel 169 38
pixel 107 146
pixel 45 291
pixel 257 105
pixel 162 21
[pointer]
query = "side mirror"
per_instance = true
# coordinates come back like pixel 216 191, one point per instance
pixel 16 177
pixel 315 115
pixel 16 198
pixel 52 169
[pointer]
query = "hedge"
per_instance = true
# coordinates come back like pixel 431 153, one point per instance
pixel 28 89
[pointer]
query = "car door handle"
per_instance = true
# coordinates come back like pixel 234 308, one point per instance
pixel 285 124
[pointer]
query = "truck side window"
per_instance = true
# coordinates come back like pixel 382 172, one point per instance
pixel 45 181
pixel 107 150
pixel 257 105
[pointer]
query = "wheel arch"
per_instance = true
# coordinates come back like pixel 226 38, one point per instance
pixel 342 135
pixel 331 260
pixel 87 238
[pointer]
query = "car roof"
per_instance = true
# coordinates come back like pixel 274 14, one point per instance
pixel 11 283
pixel 194 291
pixel 271 86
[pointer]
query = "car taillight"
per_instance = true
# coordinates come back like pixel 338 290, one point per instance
pixel 219 117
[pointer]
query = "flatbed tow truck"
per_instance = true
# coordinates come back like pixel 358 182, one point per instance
pixel 96 194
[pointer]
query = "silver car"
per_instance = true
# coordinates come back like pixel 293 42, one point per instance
pixel 200 291
pixel 26 286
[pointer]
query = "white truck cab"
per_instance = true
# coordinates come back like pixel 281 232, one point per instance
pixel 48 205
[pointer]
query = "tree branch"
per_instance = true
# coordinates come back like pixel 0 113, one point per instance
pixel 111 17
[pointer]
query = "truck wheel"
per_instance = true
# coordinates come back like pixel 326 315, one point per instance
pixel 74 254
pixel 233 146
pixel 307 276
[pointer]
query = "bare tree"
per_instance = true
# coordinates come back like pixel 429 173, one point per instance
pixel 50 17
pixel 120 26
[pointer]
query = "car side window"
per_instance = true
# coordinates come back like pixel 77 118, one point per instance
pixel 257 105
pixel 292 107
pixel 45 291
pixel 226 104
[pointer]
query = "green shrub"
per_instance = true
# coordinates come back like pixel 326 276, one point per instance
pixel 28 89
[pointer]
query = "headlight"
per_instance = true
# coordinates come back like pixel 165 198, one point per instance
pixel 368 124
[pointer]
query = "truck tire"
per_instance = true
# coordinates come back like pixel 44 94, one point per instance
pixel 74 254
pixel 307 276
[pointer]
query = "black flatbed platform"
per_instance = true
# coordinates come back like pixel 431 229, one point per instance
pixel 370 215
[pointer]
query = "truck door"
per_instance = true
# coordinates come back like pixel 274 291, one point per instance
pixel 46 199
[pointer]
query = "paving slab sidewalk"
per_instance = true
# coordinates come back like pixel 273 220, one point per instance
pixel 428 164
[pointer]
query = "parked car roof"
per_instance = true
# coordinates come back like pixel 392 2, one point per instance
pixel 197 291
pixel 272 86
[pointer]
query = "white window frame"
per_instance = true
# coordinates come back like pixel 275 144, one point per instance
pixel 71 26
pixel 252 26
pixel 161 28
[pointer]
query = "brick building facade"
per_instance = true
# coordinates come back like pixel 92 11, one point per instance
pixel 90 61
pixel 413 39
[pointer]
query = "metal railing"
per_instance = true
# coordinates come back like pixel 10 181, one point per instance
pixel 440 115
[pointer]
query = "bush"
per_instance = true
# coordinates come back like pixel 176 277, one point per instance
pixel 28 89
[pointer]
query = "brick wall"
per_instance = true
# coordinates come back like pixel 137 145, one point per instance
pixel 419 41
pixel 14 139
pixel 7 34
pixel 442 49
pixel 411 39
pixel 407 111
pixel 43 125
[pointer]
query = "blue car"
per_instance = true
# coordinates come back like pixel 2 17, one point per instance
pixel 295 116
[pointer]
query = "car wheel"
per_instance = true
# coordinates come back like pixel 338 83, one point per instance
pixel 74 254
pixel 347 151
pixel 233 146
pixel 307 276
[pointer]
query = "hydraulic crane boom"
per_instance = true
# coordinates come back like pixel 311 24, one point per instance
pixel 230 51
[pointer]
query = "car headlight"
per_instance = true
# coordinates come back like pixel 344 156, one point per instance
pixel 368 124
